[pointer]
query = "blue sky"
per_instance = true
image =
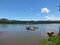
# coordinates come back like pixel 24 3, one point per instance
pixel 30 9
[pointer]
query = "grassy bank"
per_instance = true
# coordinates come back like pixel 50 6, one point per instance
pixel 52 41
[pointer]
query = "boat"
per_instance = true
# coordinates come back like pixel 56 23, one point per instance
pixel 35 27
pixel 31 28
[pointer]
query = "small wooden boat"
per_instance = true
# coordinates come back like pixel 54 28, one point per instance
pixel 35 27
pixel 31 28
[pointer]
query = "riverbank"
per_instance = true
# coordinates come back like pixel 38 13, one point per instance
pixel 52 41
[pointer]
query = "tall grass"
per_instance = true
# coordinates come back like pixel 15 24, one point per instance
pixel 51 41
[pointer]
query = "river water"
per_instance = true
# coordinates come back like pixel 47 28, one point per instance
pixel 16 34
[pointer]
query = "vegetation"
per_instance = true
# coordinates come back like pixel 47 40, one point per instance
pixel 6 21
pixel 51 41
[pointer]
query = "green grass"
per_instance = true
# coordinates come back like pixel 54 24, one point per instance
pixel 52 41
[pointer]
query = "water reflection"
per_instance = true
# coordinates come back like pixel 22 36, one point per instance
pixel 30 30
pixel 3 26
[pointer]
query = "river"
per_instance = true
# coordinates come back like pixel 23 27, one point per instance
pixel 16 34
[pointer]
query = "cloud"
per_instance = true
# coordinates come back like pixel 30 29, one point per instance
pixel 17 19
pixel 52 18
pixel 34 19
pixel 45 10
pixel 24 19
pixel 38 14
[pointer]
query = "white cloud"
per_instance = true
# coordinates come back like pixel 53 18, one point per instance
pixel 37 14
pixel 34 19
pixel 52 18
pixel 24 19
pixel 45 10
pixel 17 19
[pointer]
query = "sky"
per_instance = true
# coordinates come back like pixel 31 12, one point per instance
pixel 30 9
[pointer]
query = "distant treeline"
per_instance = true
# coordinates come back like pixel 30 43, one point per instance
pixel 6 21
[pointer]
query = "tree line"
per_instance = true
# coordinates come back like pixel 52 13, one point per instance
pixel 7 21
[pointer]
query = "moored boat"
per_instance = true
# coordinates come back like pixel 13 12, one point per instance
pixel 31 28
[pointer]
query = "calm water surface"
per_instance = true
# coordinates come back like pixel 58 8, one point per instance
pixel 16 34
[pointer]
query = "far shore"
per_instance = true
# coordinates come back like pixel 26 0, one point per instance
pixel 7 21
